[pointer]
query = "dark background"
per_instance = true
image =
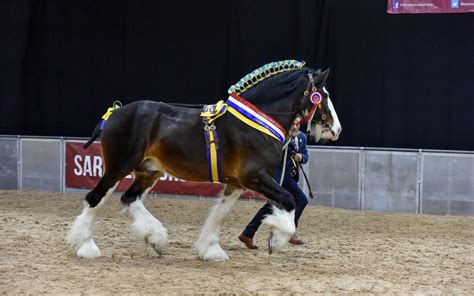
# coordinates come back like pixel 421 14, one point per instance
pixel 402 81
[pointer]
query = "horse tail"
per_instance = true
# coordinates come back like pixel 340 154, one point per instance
pixel 100 126
pixel 95 135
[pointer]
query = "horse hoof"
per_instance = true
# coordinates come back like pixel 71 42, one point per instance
pixel 214 253
pixel 277 240
pixel 158 240
pixel 157 250
pixel 88 250
pixel 270 249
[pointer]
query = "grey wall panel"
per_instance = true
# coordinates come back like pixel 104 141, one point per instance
pixel 8 163
pixel 390 181
pixel 346 201
pixel 435 206
pixel 461 207
pixel 381 180
pixel 334 177
pixel 322 199
pixel 449 180
pixel 462 178
pixel 436 177
pixel 41 165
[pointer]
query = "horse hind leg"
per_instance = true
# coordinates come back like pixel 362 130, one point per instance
pixel 145 225
pixel 80 236
pixel 207 244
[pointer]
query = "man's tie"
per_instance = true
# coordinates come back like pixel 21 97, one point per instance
pixel 294 140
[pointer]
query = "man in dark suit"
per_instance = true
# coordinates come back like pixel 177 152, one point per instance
pixel 297 154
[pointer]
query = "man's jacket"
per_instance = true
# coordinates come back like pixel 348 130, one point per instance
pixel 291 171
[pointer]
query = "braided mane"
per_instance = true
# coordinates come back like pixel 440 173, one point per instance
pixel 264 72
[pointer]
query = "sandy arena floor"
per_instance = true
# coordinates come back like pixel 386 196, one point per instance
pixel 345 252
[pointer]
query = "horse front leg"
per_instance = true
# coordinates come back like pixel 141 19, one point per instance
pixel 282 218
pixel 207 244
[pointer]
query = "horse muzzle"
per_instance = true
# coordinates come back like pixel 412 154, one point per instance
pixel 332 134
pixel 323 134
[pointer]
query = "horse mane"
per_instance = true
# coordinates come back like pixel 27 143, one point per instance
pixel 271 82
pixel 263 73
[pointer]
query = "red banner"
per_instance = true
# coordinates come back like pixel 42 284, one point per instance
pixel 429 6
pixel 84 167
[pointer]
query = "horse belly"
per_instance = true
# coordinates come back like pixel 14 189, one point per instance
pixel 189 172
pixel 183 160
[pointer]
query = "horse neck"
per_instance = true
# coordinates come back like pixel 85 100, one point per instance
pixel 281 112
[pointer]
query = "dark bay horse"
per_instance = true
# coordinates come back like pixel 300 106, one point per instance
pixel 152 138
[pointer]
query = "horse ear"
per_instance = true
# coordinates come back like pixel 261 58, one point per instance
pixel 322 77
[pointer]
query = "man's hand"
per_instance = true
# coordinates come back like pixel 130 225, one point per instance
pixel 298 157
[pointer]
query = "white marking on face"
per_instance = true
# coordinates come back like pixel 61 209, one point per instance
pixel 325 91
pixel 319 132
pixel 336 127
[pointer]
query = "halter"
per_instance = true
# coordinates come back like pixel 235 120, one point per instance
pixel 315 98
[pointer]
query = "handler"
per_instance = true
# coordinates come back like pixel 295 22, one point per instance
pixel 297 154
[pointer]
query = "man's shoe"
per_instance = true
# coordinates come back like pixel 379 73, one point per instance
pixel 295 240
pixel 248 241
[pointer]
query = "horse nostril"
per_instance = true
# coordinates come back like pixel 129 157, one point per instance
pixel 333 133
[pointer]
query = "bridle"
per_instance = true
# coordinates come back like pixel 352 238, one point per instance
pixel 316 99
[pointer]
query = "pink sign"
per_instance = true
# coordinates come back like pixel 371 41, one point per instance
pixel 84 167
pixel 429 6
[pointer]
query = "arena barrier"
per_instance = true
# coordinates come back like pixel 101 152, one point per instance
pixel 397 180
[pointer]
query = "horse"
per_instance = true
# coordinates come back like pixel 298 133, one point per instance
pixel 149 138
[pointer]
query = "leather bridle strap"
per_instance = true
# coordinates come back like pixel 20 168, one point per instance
pixel 312 98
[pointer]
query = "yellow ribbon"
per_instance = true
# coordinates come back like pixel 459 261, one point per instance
pixel 117 105
pixel 212 111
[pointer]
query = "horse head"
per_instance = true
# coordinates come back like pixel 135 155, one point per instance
pixel 319 112
pixel 287 89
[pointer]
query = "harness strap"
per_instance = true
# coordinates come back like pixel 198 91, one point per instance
pixel 307 181
pixel 212 147
pixel 285 148
pixel 213 160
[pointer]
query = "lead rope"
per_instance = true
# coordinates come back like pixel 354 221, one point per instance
pixel 285 148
